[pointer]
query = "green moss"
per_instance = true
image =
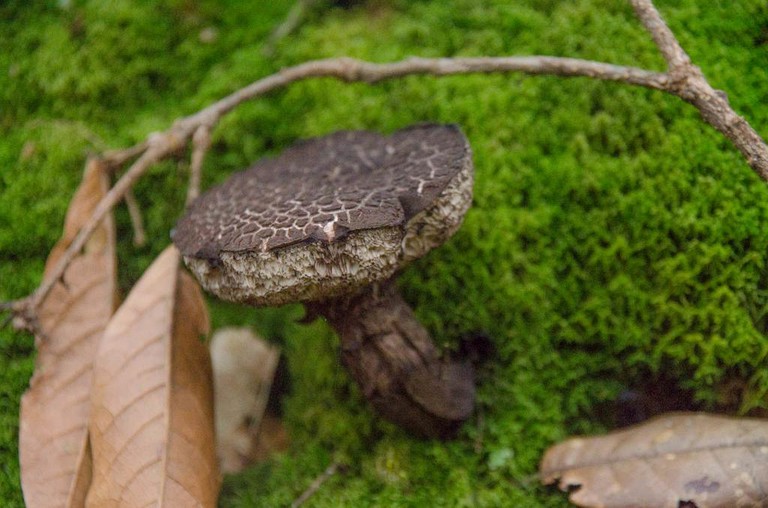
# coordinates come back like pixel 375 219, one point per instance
pixel 613 235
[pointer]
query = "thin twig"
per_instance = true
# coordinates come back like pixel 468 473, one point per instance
pixel 201 141
pixel 316 484
pixel 160 145
pixel 139 234
pixel 665 40
pixel 353 70
pixel 107 203
pixel 691 87
pixel 23 318
pixel 117 158
pixel 20 310
pixel 688 82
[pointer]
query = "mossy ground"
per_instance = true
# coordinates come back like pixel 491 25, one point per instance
pixel 614 237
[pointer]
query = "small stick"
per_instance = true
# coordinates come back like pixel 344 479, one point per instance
pixel 315 485
pixel 117 158
pixel 684 80
pixel 139 234
pixel 162 146
pixel 665 40
pixel 688 82
pixel 201 141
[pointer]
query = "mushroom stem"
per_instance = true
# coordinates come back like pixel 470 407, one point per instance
pixel 391 356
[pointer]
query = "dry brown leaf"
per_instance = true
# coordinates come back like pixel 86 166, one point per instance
pixel 152 432
pixel 707 460
pixel 244 367
pixel 53 434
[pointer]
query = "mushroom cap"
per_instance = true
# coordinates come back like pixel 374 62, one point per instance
pixel 329 216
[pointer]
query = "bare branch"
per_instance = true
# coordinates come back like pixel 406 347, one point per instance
pixel 139 235
pixel 684 80
pixel 161 144
pixel 316 484
pixel 119 157
pixel 688 82
pixel 116 193
pixel 23 316
pixel 676 57
pixel 201 142
pixel 713 105
pixel 350 70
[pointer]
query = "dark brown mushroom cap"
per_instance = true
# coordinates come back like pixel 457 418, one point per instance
pixel 332 197
pixel 347 181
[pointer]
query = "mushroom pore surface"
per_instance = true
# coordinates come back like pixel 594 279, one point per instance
pixel 329 215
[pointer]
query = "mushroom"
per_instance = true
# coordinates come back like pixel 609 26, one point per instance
pixel 329 223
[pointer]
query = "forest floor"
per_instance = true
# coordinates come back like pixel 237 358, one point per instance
pixel 616 247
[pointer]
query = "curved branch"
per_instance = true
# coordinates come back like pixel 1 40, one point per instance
pixel 162 144
pixel 155 151
pixel 350 70
pixel 683 80
pixel 201 141
pixel 134 212
pixel 688 82
pixel 665 40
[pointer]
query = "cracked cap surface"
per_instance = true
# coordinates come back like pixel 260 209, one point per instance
pixel 329 215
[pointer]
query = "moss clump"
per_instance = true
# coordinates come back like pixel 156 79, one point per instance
pixel 613 237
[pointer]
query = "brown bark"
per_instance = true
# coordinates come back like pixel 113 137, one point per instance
pixel 398 368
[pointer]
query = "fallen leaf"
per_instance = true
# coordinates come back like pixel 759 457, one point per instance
pixel 244 367
pixel 682 459
pixel 53 434
pixel 152 433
